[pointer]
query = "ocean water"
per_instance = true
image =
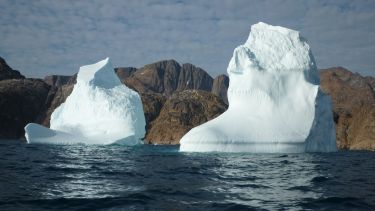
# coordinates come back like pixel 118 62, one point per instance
pixel 79 177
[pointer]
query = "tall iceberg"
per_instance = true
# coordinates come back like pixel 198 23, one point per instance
pixel 100 110
pixel 275 103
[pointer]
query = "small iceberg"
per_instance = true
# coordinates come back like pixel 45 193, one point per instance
pixel 100 110
pixel 275 103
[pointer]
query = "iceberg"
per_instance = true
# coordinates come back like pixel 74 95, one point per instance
pixel 100 110
pixel 275 103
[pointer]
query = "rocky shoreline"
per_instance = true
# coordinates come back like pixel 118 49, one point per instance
pixel 178 97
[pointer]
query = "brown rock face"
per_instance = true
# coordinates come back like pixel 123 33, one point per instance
pixel 57 80
pixel 353 105
pixel 72 80
pixel 192 77
pixel 361 131
pixel 7 72
pixel 21 101
pixel 55 98
pixel 152 105
pixel 181 112
pixel 160 77
pixel 125 72
pixel 220 87
pixel 370 81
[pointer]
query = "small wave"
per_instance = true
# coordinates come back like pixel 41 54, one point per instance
pixel 300 188
pixel 171 192
pixel 126 202
pixel 336 203
pixel 319 179
pixel 237 178
pixel 285 162
pixel 252 186
pixel 230 206
pixel 65 169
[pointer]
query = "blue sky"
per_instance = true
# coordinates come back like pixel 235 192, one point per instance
pixel 42 37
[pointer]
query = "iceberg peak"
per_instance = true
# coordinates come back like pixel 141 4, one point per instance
pixel 275 48
pixel 100 74
pixel 261 26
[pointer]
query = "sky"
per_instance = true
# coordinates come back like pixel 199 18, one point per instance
pixel 43 37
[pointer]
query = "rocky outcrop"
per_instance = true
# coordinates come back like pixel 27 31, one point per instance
pixel 61 87
pixel 7 72
pixel 192 77
pixel 21 101
pixel 353 106
pixel 166 77
pixel 371 82
pixel 57 80
pixel 56 96
pixel 160 77
pixel 72 80
pixel 125 72
pixel 361 130
pixel 181 112
pixel 152 105
pixel 220 87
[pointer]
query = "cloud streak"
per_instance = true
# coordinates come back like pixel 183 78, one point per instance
pixel 56 37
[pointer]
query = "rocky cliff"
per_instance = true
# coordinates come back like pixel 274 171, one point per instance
pixel 57 80
pixel 56 96
pixel 192 77
pixel 125 72
pixel 21 101
pixel 220 87
pixel 7 72
pixel 353 106
pixel 168 76
pixel 181 112
pixel 160 77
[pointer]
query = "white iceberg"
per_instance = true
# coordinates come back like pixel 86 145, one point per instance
pixel 100 110
pixel 275 103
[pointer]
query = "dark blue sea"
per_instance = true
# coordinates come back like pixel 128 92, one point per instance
pixel 80 177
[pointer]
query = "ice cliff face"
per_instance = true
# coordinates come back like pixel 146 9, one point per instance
pixel 275 104
pixel 100 110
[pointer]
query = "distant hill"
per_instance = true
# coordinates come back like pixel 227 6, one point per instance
pixel 7 72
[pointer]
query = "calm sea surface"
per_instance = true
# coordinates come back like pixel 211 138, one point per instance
pixel 80 177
